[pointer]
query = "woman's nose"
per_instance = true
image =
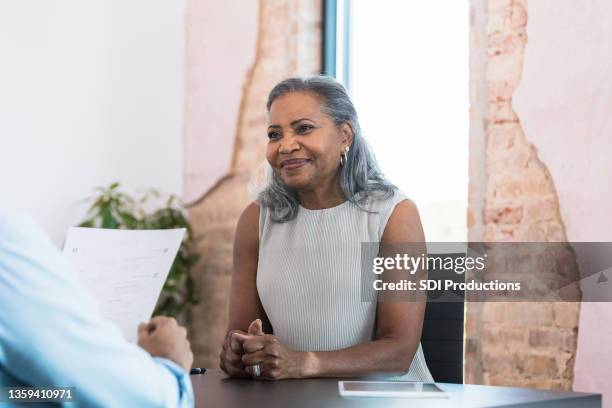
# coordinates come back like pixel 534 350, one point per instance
pixel 288 144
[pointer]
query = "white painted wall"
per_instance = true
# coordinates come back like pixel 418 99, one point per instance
pixel 90 93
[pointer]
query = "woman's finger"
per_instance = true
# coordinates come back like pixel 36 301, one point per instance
pixel 241 337
pixel 273 349
pixel 273 374
pixel 255 343
pixel 257 357
pixel 270 370
pixel 232 357
pixel 262 374
pixel 256 328
pixel 270 363
pixel 234 344
pixel 233 371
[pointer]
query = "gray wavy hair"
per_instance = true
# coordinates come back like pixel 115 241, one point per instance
pixel 360 177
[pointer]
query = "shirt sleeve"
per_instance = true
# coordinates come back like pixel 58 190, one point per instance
pixel 52 334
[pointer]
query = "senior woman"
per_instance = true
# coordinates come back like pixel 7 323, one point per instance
pixel 295 305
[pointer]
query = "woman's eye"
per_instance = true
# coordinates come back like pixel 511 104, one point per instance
pixel 304 129
pixel 273 135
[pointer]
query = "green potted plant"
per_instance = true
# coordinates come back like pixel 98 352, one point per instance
pixel 112 208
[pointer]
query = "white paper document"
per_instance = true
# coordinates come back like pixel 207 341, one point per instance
pixel 125 270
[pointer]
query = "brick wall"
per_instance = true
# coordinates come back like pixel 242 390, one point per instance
pixel 288 44
pixel 512 198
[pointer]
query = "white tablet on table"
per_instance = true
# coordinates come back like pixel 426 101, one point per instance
pixel 390 389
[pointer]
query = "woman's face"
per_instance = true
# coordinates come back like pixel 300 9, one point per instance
pixel 304 144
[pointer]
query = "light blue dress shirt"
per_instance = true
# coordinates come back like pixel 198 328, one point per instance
pixel 51 333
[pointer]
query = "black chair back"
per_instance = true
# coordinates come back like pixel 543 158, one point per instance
pixel 442 337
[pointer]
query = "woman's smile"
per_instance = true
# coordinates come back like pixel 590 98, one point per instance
pixel 292 164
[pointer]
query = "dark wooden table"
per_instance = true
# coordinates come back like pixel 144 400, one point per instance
pixel 214 390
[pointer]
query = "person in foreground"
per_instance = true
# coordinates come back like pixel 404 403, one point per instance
pixel 295 307
pixel 52 335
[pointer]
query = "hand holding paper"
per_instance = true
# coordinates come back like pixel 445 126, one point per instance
pixel 163 337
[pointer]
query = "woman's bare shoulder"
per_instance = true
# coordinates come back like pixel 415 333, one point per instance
pixel 248 223
pixel 404 224
pixel 251 211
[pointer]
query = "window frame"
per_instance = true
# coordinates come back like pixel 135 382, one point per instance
pixel 336 40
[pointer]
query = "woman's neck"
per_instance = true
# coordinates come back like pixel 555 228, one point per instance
pixel 322 197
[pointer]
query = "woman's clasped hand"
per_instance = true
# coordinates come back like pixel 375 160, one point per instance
pixel 242 352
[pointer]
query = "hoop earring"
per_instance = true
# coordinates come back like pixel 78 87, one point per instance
pixel 344 156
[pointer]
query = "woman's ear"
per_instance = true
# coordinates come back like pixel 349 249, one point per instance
pixel 347 134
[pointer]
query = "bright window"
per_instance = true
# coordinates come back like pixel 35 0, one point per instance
pixel 407 69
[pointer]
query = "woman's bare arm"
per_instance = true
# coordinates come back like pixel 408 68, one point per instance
pixel 245 306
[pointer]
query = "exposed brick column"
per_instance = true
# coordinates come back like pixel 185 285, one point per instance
pixel 288 44
pixel 523 344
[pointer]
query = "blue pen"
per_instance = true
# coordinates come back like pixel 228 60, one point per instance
pixel 197 370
